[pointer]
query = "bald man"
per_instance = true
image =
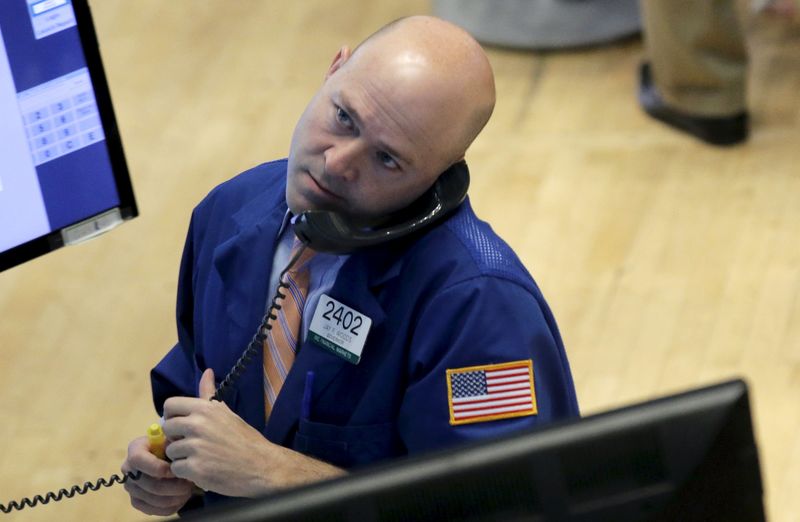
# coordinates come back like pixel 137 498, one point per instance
pixel 460 344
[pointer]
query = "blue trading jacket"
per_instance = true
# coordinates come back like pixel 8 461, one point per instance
pixel 455 296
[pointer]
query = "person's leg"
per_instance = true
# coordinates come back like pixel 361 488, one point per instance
pixel 697 54
pixel 694 76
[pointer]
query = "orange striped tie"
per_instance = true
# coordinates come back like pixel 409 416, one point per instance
pixel 280 345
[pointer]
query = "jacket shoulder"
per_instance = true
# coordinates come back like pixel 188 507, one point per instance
pixel 253 183
pixel 471 245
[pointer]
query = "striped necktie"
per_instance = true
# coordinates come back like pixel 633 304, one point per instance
pixel 282 340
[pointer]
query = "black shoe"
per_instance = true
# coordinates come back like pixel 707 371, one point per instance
pixel 728 130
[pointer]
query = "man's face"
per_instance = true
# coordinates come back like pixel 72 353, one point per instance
pixel 368 143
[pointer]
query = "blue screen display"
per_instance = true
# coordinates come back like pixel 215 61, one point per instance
pixel 55 168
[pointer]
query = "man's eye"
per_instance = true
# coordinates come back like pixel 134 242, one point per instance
pixel 387 160
pixel 343 118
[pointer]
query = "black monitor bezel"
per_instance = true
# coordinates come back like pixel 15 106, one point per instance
pixel 127 202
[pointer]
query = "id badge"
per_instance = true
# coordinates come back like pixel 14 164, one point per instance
pixel 339 329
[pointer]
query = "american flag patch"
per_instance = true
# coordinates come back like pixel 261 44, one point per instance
pixel 491 392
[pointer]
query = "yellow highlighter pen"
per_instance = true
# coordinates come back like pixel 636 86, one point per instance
pixel 157 440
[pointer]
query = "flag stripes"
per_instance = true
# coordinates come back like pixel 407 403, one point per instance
pixel 483 393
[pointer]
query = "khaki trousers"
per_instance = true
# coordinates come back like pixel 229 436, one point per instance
pixel 697 53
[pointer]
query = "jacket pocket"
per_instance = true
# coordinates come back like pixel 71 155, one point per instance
pixel 347 446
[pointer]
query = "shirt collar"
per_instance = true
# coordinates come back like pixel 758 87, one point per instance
pixel 287 220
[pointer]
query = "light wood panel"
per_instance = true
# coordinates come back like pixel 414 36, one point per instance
pixel 668 264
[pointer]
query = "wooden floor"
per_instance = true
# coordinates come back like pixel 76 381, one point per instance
pixel 668 264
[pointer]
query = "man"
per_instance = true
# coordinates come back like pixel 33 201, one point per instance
pixel 446 306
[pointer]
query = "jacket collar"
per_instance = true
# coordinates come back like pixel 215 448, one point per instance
pixel 243 263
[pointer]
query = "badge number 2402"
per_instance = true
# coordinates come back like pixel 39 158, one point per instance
pixel 344 318
pixel 339 329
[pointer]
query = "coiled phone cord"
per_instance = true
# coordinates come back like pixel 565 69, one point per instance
pixel 69 493
pixel 258 339
pixel 232 376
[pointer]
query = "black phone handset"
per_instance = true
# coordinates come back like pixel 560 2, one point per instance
pixel 337 234
pixel 324 232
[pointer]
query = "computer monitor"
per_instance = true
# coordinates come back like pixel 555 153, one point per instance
pixel 688 457
pixel 63 176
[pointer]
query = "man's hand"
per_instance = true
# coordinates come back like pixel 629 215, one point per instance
pixel 158 491
pixel 214 448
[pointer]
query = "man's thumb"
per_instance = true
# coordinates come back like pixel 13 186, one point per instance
pixel 207 387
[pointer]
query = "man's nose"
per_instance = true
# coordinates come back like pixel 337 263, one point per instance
pixel 342 159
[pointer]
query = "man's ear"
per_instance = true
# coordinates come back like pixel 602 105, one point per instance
pixel 341 57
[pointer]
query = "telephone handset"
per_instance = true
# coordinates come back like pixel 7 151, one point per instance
pixel 335 233
pixel 324 232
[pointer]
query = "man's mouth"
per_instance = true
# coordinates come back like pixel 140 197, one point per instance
pixel 322 188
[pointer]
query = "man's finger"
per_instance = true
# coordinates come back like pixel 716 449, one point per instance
pixel 185 469
pixel 207 387
pixel 178 428
pixel 158 487
pixel 150 509
pixel 140 459
pixel 182 406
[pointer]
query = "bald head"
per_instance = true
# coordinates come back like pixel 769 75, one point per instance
pixel 389 118
pixel 446 61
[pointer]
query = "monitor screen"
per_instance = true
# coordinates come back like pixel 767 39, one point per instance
pixel 63 176
pixel 689 457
